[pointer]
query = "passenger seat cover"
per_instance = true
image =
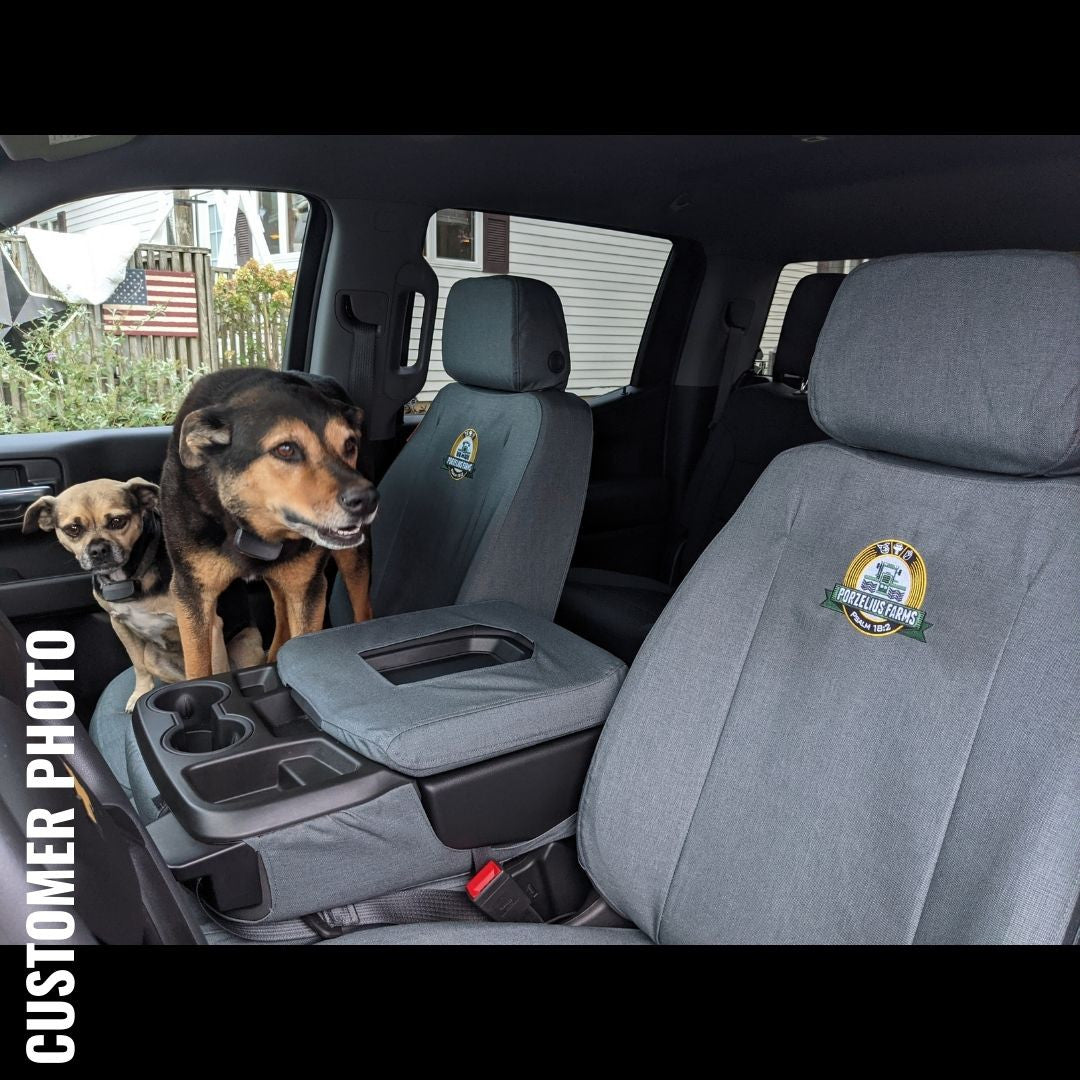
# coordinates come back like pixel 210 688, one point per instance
pixel 770 774
pixel 1001 393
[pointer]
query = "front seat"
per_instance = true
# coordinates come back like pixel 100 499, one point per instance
pixel 483 502
pixel 762 418
pixel 857 719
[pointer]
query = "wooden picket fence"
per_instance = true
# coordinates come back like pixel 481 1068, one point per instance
pixel 216 346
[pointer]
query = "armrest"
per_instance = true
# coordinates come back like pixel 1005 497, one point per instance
pixel 430 691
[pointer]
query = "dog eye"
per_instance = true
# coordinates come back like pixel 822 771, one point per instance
pixel 73 530
pixel 350 447
pixel 116 522
pixel 287 451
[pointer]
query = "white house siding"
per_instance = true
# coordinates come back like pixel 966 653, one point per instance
pixel 606 280
pixel 146 210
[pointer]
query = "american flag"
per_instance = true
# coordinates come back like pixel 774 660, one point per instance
pixel 143 292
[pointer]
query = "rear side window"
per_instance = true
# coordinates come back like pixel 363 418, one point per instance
pixel 111 307
pixel 790 276
pixel 607 282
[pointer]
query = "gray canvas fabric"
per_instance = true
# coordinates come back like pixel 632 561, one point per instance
pixel 965 359
pixel 505 333
pixel 505 532
pixel 112 734
pixel 493 934
pixel 427 727
pixel 365 851
pixel 770 774
pixel 109 725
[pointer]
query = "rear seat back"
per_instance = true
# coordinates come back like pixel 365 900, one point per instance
pixel 760 420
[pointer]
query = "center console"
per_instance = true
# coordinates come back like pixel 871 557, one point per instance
pixel 374 757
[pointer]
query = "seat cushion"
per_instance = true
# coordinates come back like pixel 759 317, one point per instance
pixel 472 933
pixel 614 611
pixel 112 734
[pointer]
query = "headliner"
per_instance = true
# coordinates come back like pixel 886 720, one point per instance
pixel 764 196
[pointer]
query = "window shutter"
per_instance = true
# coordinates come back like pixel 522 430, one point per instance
pixel 496 244
pixel 243 238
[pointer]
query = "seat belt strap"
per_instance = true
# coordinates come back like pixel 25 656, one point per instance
pixel 737 318
pixel 408 906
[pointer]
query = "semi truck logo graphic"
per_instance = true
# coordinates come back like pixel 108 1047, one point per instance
pixel 461 460
pixel 883 590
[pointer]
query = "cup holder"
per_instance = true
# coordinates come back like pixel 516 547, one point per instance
pixel 199 729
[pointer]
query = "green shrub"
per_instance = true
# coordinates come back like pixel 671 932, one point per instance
pixel 62 382
pixel 252 308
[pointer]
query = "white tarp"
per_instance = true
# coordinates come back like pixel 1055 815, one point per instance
pixel 83 267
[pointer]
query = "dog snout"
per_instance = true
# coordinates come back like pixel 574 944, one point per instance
pixel 360 499
pixel 99 551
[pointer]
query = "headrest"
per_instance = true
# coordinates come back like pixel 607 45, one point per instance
pixel 968 359
pixel 809 304
pixel 505 333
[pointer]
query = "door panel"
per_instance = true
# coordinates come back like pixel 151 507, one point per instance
pixel 37 576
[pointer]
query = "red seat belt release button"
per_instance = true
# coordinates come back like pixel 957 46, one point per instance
pixel 499 896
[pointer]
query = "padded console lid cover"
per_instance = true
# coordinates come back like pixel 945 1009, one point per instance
pixel 440 723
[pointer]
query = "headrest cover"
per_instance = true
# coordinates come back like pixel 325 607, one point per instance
pixel 809 304
pixel 505 333
pixel 966 359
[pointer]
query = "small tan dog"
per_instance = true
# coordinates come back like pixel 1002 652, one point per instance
pixel 114 531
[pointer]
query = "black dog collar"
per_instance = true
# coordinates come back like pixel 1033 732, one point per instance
pixel 115 591
pixel 142 555
pixel 247 543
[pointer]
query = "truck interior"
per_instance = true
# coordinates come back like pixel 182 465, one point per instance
pixel 700 659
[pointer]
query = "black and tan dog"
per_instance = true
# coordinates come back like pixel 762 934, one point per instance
pixel 261 481
pixel 114 531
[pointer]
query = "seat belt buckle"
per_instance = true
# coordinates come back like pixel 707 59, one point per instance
pixel 499 896
pixel 317 922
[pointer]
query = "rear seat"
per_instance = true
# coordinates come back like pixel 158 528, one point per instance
pixel 762 418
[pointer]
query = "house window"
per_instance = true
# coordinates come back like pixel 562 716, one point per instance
pixel 215 232
pixel 297 217
pixel 269 217
pixel 455 237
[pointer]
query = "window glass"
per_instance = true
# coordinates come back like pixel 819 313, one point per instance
pixel 790 276
pixel 298 215
pixel 104 329
pixel 268 215
pixel 607 282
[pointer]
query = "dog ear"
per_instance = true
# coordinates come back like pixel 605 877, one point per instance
pixel 202 432
pixel 354 417
pixel 40 515
pixel 145 493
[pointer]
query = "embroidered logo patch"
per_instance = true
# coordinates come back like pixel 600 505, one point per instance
pixel 461 460
pixel 883 590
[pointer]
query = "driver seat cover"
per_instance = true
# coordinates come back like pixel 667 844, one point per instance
pixel 503 525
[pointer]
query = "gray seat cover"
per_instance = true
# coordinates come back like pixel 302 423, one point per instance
pixel 769 772
pixel 506 530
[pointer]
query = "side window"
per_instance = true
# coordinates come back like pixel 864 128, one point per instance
pixel 111 307
pixel 607 282
pixel 790 276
